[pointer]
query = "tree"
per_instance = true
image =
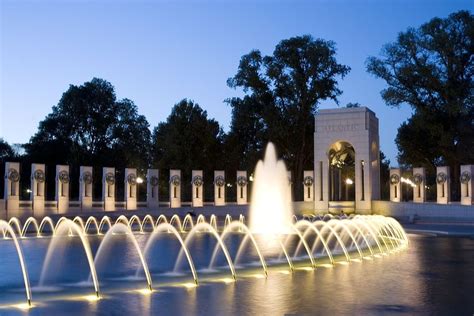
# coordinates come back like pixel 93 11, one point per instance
pixel 282 95
pixel 432 69
pixel 384 177
pixel 188 140
pixel 89 126
pixel 6 151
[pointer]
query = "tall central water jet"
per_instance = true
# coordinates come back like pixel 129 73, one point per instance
pixel 270 207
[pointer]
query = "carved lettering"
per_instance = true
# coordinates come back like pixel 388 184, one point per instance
pixel 338 128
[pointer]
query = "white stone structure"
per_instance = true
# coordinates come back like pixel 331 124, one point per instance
pixel 355 128
pixel 85 187
pixel 11 193
pixel 130 191
pixel 38 179
pixel 419 191
pixel 396 185
pixel 197 183
pixel 219 187
pixel 242 183
pixel 308 186
pixel 152 194
pixel 467 184
pixel 62 188
pixel 443 187
pixel 175 188
pixel 108 188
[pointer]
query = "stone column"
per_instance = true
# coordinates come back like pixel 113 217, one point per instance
pixel 12 186
pixel 108 188
pixel 175 188
pixel 38 179
pixel 85 187
pixel 242 183
pixel 467 184
pixel 443 188
pixel 419 191
pixel 308 186
pixel 219 187
pixel 130 191
pixel 62 188
pixel 395 185
pixel 152 193
pixel 363 177
pixel 321 197
pixel 197 188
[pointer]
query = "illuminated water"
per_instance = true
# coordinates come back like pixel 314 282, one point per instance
pixel 270 207
pixel 434 276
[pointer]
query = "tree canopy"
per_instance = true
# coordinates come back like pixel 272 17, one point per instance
pixel 188 139
pixel 90 126
pixel 283 91
pixel 431 69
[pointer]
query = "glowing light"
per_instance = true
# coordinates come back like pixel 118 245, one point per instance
pixel 189 285
pixel 325 265
pixel 408 181
pixel 145 291
pixel 28 190
pixel 343 263
pixel 227 280
pixel 349 181
pixel 23 306
pixel 92 298
pixel 306 269
pixel 139 180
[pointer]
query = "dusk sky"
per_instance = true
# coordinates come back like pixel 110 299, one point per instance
pixel 159 52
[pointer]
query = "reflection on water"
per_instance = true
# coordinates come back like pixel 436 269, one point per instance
pixel 434 276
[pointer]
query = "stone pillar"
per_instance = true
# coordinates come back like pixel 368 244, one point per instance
pixel 467 184
pixel 85 187
pixel 38 179
pixel 197 188
pixel 130 190
pixel 419 191
pixel 321 197
pixel 175 188
pixel 152 192
pixel 62 188
pixel 242 183
pixel 11 193
pixel 308 186
pixel 219 187
pixel 443 188
pixel 108 188
pixel 395 185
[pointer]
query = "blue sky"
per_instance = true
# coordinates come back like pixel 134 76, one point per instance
pixel 159 52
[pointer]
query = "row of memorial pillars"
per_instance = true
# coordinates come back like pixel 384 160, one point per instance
pixel 37 189
pixel 443 185
pixel 197 187
pixel 12 188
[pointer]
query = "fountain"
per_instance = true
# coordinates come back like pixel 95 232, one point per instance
pixel 277 238
pixel 270 208
pixel 323 239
